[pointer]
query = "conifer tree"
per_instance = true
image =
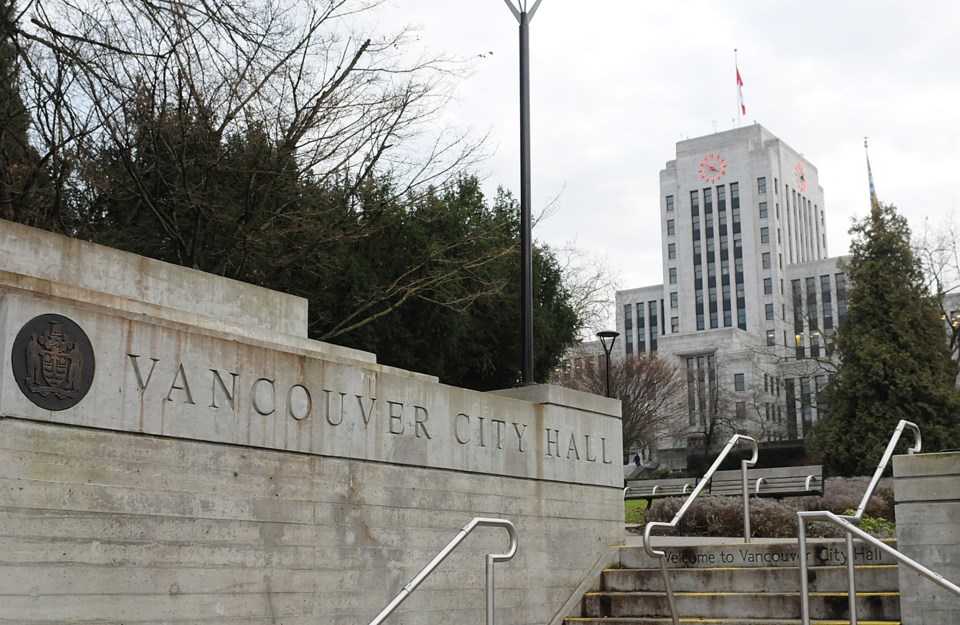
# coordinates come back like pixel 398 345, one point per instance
pixel 894 359
pixel 17 158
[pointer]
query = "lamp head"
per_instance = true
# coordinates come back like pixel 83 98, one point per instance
pixel 607 339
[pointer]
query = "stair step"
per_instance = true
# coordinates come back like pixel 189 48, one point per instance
pixel 822 552
pixel 876 606
pixel 712 621
pixel 757 579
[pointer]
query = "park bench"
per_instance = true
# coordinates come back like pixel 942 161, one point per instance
pixel 658 489
pixel 778 482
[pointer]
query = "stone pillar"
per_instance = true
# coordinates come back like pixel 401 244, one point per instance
pixel 927 492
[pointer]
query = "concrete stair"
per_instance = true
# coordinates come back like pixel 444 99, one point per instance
pixel 738 584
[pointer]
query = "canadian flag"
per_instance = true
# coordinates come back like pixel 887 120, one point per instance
pixel 743 108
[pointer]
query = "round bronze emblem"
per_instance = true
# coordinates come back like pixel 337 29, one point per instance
pixel 53 362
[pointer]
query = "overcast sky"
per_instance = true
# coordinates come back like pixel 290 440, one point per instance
pixel 615 84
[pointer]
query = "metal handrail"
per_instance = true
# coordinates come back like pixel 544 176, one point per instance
pixel 852 530
pixel 853 519
pixel 660 555
pixel 440 557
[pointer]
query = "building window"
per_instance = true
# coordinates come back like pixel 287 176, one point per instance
pixel 669 203
pixel 674 300
pixel 641 330
pixel 764 235
pixel 701 387
pixel 765 259
pixel 654 324
pixel 763 210
pixel 768 286
pixel 739 382
pixel 811 284
pixel 673 275
pixel 741 408
pixel 771 338
pixel 670 226
pixel 694 203
pixel 761 185
pixel 674 324
pixel 806 404
pixel 628 328
pixel 827 299
pixel 841 281
pixel 671 251
pixel 768 311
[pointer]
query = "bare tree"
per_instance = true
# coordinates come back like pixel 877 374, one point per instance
pixel 331 103
pixel 938 249
pixel 592 284
pixel 650 391
pixel 189 131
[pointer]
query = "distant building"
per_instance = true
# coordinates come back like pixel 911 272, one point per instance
pixel 750 298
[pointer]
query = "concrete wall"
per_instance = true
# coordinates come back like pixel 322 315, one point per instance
pixel 219 472
pixel 927 491
pixel 70 262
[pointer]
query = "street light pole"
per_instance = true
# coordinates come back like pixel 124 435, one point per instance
pixel 611 336
pixel 526 223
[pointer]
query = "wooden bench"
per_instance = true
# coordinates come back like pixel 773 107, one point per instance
pixel 778 483
pixel 658 489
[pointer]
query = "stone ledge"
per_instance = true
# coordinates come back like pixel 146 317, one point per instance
pixel 56 258
pixel 551 395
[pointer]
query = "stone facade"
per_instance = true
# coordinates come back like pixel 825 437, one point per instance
pixel 927 492
pixel 742 222
pixel 218 466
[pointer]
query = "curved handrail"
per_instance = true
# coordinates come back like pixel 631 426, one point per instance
pixel 661 555
pixel 888 452
pixel 440 557
pixel 854 519
pixel 851 531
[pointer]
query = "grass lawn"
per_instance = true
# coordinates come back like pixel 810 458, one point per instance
pixel 633 511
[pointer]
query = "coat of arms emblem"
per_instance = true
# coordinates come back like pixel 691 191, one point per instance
pixel 53 362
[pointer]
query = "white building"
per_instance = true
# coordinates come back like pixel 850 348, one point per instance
pixel 749 298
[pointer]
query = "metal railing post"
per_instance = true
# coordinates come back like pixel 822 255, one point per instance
pixel 851 529
pixel 746 501
pixel 440 557
pixel 648 547
pixel 851 520
pixel 804 591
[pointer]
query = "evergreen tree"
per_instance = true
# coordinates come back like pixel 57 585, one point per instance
pixel 894 359
pixel 20 166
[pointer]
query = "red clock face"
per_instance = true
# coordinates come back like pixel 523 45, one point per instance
pixel 712 168
pixel 801 177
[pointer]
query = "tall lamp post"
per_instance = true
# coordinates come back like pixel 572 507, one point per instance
pixel 607 339
pixel 526 223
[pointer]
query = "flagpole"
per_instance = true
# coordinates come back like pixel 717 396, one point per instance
pixel 736 66
pixel 874 202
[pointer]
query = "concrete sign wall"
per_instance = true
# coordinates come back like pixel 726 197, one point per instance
pixel 162 459
pixel 927 492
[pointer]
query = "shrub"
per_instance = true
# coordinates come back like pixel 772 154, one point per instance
pixel 714 515
pixel 844 493
pixel 723 516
